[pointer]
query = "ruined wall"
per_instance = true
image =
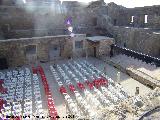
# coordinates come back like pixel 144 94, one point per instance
pixel 123 16
pixel 14 50
pixel 84 18
pixel 80 50
pixel 153 13
pixel 13 18
pixel 141 40
pixel 29 20
pixel 41 19
pixel 104 47
pixel 134 35
pixel 7 2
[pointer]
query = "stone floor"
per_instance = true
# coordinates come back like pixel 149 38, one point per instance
pixel 127 82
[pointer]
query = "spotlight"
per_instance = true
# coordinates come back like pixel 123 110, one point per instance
pixel 24 1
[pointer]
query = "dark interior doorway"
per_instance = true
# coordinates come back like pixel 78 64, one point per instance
pixel 94 21
pixel 94 51
pixel 3 63
pixel 0 2
pixel 115 22
pixel 159 53
pixel 31 53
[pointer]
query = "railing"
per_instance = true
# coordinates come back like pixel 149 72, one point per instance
pixel 141 56
pixel 157 109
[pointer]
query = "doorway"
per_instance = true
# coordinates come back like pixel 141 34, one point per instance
pixel 95 50
pixel 54 52
pixel 3 63
pixel 115 22
pixel 31 53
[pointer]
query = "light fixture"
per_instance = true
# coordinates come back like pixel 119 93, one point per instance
pixel 24 1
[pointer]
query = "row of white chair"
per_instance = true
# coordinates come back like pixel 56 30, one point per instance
pixel 99 95
pixel 37 94
pixel 94 71
pixel 14 81
pixel 85 107
pixel 89 97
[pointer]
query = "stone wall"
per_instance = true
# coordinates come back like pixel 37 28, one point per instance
pixel 14 50
pixel 97 18
pixel 140 40
pixel 19 21
pixel 80 51
pixel 123 16
pixel 105 47
pixel 32 20
pixel 102 47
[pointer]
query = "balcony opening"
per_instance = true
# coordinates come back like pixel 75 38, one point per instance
pixel 132 19
pixel 146 19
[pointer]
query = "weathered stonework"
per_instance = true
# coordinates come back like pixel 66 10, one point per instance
pixel 14 50
pixel 93 19
pixel 104 47
pixel 141 40
pixel 100 48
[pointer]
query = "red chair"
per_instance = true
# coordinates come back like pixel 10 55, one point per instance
pixel 18 118
pixel 104 82
pixel 46 91
pixel 49 99
pixel 45 83
pixel 53 115
pixel 87 82
pixel 34 70
pixel 62 90
pixel 3 90
pixel 52 111
pixel 49 93
pixel 1 81
pixel 51 106
pixel 50 102
pixel 1 103
pixel 81 86
pixel 72 88
pixel 96 83
pixel 91 86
